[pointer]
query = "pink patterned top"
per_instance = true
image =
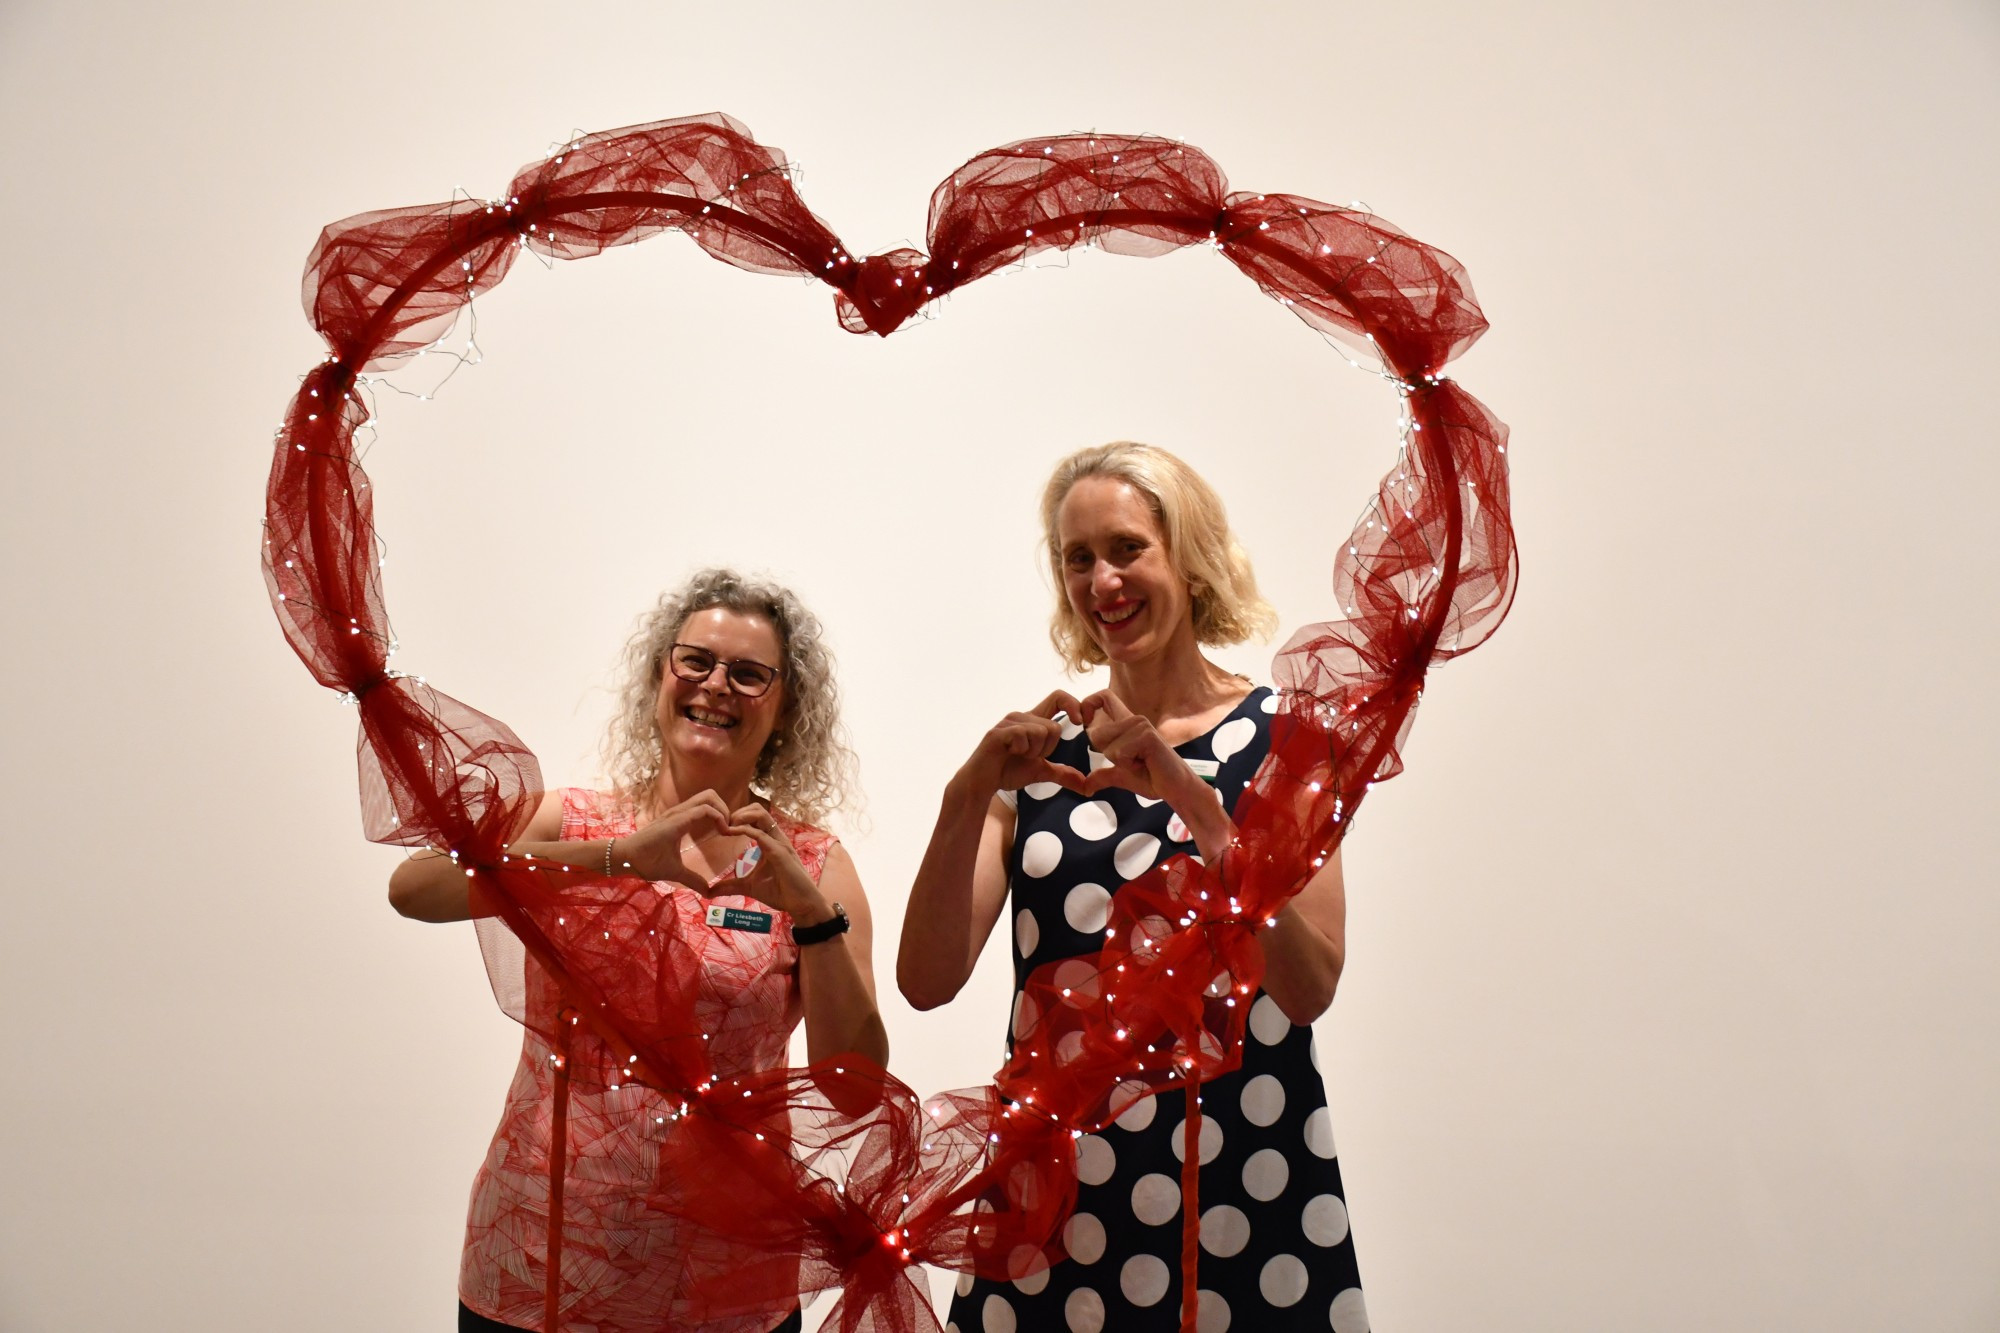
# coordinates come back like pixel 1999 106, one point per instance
pixel 621 1264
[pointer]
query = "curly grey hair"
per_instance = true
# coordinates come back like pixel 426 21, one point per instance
pixel 806 768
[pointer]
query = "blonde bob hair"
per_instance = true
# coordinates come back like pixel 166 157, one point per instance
pixel 806 769
pixel 1226 605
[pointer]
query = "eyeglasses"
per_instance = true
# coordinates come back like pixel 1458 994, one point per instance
pixel 745 677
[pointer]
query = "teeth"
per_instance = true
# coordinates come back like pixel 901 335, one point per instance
pixel 707 718
pixel 1120 617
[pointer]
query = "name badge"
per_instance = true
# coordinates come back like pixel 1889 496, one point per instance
pixel 737 918
pixel 1205 769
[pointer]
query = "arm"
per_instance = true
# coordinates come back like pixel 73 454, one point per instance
pixel 958 895
pixel 431 886
pixel 1305 951
pixel 962 884
pixel 837 976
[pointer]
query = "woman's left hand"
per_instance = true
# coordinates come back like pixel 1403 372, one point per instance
pixel 1143 762
pixel 778 880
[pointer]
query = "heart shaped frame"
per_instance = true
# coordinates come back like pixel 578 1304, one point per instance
pixel 841 1176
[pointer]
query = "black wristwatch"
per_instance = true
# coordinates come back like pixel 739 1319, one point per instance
pixel 824 931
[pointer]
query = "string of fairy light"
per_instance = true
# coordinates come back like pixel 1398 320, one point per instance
pixel 1434 588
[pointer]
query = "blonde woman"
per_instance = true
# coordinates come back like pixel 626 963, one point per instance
pixel 1147 573
pixel 728 739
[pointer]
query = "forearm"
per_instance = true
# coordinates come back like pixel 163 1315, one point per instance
pixel 841 1017
pixel 1301 965
pixel 933 958
pixel 434 886
pixel 431 886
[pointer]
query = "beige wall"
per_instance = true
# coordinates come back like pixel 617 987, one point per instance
pixel 1671 1000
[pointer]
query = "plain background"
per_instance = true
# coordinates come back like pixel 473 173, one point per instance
pixel 1671 1000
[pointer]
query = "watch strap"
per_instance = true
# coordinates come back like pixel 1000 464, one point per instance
pixel 825 930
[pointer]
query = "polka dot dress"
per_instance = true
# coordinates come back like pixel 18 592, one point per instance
pixel 1275 1251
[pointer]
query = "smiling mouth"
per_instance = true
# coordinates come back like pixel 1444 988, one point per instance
pixel 1119 615
pixel 703 717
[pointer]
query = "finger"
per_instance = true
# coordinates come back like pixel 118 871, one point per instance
pixel 757 833
pixel 1102 779
pixel 1111 706
pixel 1044 733
pixel 1061 701
pixel 701 809
pixel 686 878
pixel 1106 735
pixel 1033 736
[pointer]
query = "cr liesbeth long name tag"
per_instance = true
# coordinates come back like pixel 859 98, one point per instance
pixel 1205 769
pixel 737 918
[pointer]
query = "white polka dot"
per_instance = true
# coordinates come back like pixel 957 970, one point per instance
pixel 1069 1047
pixel 1024 1015
pixel 1312 1052
pixel 1155 1199
pixel 1041 791
pixel 1027 933
pixel 1147 801
pixel 1032 1284
pixel 1270 704
pixel 1319 1132
pixel 1075 973
pixel 1040 853
pixel 1325 1220
pixel 1211 1312
pixel 1083 1238
pixel 1265 1174
pixel 1084 1311
pixel 1224 1231
pixel 1134 856
pixel 1071 728
pixel 1283 1280
pixel 1263 1100
pixel 1097 761
pixel 965 1284
pixel 1211 1140
pixel 1143 1279
pixel 1087 908
pixel 1232 736
pixel 1268 1023
pixel 1177 830
pixel 1024 1189
pixel 1093 820
pixel 1348 1314
pixel 997 1315
pixel 1140 1113
pixel 1095 1161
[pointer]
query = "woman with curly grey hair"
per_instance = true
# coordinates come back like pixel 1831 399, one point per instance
pixel 725 754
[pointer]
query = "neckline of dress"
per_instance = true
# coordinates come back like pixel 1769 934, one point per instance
pixel 1226 718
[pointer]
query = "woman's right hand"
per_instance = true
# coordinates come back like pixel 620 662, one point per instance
pixel 654 852
pixel 1015 752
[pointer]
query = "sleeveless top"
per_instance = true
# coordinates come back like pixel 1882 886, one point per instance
pixel 1275 1251
pixel 621 1264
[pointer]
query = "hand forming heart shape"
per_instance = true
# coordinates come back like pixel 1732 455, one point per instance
pixel 1427 574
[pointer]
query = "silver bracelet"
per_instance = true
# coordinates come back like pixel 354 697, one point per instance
pixel 609 843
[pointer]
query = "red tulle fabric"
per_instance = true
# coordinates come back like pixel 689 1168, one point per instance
pixel 839 1177
pixel 621 1258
